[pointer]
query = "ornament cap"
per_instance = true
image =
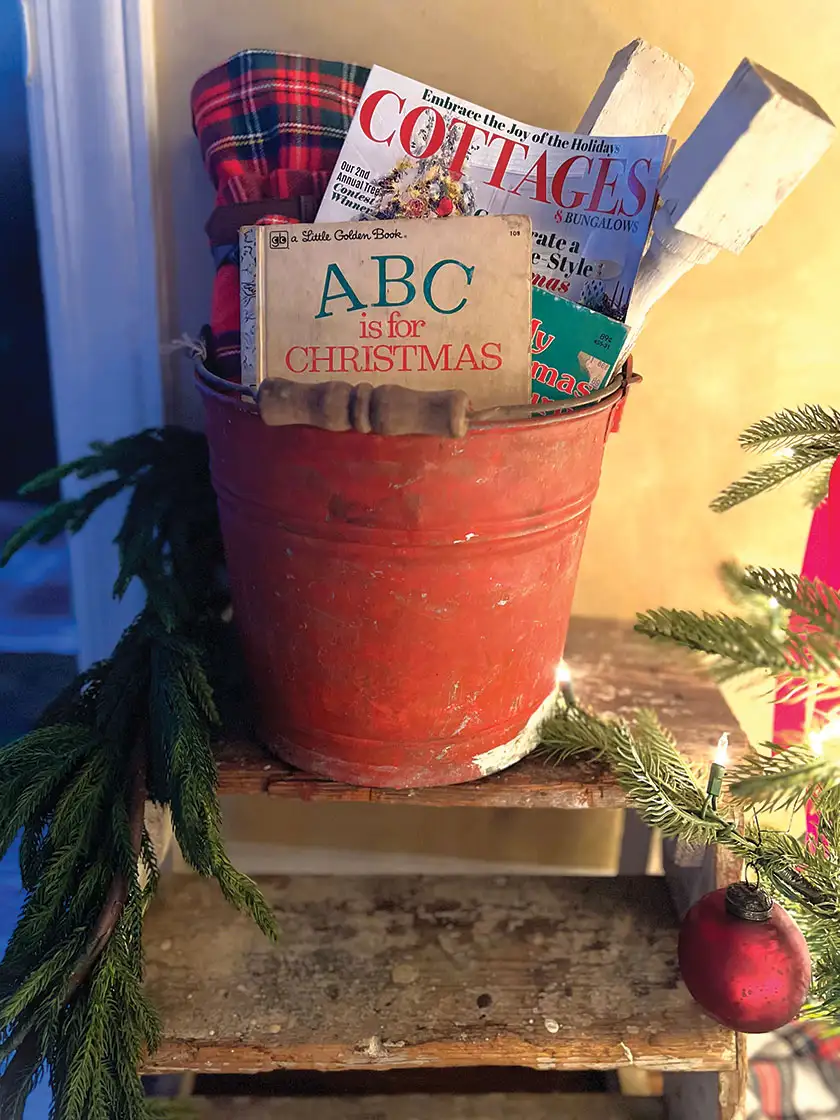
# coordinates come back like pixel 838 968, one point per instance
pixel 748 902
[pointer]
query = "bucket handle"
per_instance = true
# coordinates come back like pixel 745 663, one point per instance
pixel 390 409
pixel 220 384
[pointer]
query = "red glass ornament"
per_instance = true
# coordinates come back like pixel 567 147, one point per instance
pixel 744 959
pixel 445 207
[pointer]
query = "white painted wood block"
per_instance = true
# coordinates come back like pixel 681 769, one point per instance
pixel 758 140
pixel 755 144
pixel 669 255
pixel 642 92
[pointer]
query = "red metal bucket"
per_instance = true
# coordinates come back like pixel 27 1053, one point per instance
pixel 403 601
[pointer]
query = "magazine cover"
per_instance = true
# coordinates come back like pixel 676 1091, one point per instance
pixel 413 151
pixel 573 350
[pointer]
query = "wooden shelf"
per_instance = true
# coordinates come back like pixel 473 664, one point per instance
pixel 376 974
pixel 433 972
pixel 614 670
pixel 496 1106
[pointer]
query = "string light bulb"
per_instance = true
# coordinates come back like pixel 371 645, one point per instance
pixel 563 681
pixel 722 750
pixel 716 772
pixel 829 732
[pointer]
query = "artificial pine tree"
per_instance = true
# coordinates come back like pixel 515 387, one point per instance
pixel 788 633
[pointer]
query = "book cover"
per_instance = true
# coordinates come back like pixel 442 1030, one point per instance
pixel 429 305
pixel 574 350
pixel 414 151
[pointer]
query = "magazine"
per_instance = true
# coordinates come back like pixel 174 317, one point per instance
pixel 574 350
pixel 413 151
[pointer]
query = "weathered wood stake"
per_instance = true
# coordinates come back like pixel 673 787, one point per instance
pixel 758 140
pixel 642 92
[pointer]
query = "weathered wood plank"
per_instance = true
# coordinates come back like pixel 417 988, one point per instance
pixel 614 670
pixel 415 1106
pixel 387 973
pixel 732 1085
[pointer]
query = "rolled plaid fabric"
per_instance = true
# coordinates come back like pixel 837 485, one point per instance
pixel 270 127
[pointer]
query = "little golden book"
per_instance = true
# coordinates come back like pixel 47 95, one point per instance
pixel 428 305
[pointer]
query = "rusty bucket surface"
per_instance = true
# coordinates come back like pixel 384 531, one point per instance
pixel 403 601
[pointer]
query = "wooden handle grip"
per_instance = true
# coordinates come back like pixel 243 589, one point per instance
pixel 396 411
pixel 325 405
pixel 389 410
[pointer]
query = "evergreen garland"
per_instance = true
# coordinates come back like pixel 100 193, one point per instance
pixel 804 658
pixel 136 726
pixel 669 796
pixel 794 427
pixel 804 440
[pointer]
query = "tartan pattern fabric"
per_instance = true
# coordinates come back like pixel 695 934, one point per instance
pixel 269 126
pixel 794 1075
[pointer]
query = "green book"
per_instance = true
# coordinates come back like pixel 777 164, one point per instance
pixel 573 350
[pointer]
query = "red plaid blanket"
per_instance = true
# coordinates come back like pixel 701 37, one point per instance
pixel 270 127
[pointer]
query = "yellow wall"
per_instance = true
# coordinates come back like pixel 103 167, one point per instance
pixel 734 341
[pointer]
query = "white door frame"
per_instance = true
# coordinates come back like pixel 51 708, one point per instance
pixel 92 105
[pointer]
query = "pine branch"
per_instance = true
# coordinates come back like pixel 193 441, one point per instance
pixel 816 488
pixel 732 576
pixel 123 456
pixel 62 516
pixel 799 650
pixel 71 995
pixel 170 538
pixel 809 653
pixel 646 764
pixel 103 1032
pixel 792 427
pixel 21 1075
pixel 668 796
pixel 812 600
pixel 30 1018
pixel 739 646
pixel 181 717
pixel 776 778
pixel 826 795
pixel 770 475
pixel 114 904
